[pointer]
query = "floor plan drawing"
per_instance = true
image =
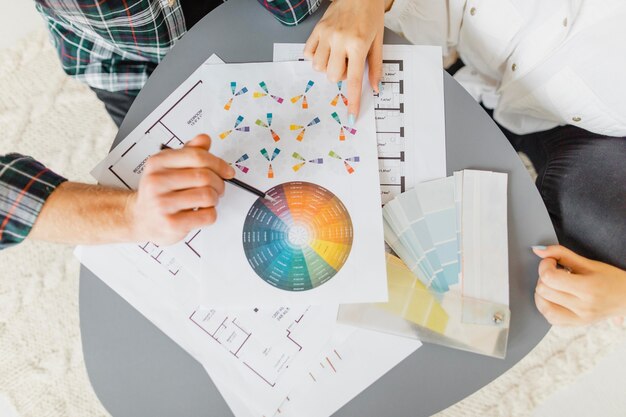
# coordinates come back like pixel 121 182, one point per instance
pixel 390 130
pixel 268 349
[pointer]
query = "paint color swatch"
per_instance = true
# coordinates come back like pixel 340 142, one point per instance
pixel 303 129
pixel 339 95
pixel 240 163
pixel 301 240
pixel 302 161
pixel 305 103
pixel 237 126
pixel 268 125
pixel 266 93
pixel 236 93
pixel 343 128
pixel 346 161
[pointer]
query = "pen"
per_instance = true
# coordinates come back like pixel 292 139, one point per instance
pixel 240 184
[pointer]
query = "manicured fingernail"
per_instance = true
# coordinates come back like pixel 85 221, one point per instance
pixel 380 86
pixel 539 247
pixel 351 120
pixel 231 171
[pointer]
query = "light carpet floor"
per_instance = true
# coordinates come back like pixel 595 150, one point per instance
pixel 45 114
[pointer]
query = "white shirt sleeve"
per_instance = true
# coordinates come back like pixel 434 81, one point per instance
pixel 422 22
pixel 538 64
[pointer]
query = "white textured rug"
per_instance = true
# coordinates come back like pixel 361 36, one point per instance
pixel 45 114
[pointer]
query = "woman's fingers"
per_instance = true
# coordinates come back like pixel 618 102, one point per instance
pixel 311 44
pixel 555 314
pixel 375 63
pixel 356 69
pixel 560 279
pixel 337 66
pixel 569 301
pixel 320 59
pixel 565 257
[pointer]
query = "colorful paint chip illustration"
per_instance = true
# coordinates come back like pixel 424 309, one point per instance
pixel 343 128
pixel 236 93
pixel 267 125
pixel 305 103
pixel 303 129
pixel 236 127
pixel 266 93
pixel 346 161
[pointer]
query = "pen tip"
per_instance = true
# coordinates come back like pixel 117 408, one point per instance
pixel 270 198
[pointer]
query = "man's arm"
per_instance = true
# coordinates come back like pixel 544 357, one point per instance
pixel 85 214
pixel 25 185
pixel 177 193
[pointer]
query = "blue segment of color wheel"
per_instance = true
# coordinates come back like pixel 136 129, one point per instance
pixel 301 239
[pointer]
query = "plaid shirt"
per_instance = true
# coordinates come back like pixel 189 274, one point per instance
pixel 114 45
pixel 109 44
pixel 25 185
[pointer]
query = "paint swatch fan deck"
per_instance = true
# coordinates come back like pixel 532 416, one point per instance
pixel 450 285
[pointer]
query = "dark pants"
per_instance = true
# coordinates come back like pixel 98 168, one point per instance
pixel 581 177
pixel 582 180
pixel 117 104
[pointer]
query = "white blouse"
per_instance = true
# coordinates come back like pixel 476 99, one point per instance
pixel 538 63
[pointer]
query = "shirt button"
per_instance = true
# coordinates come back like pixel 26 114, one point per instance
pixel 576 119
pixel 513 67
pixel 473 11
pixel 565 22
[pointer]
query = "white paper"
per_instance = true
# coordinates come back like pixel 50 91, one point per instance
pixel 114 170
pixel 169 301
pixel 345 370
pixel 355 359
pixel 410 121
pixel 351 270
pixel 167 295
pixel 277 347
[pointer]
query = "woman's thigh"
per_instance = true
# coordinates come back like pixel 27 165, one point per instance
pixel 583 184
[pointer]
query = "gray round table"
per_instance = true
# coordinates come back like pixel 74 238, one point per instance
pixel 137 371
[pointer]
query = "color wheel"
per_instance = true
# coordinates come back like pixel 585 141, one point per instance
pixel 299 241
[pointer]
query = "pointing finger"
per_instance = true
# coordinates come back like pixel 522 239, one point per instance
pixel 375 63
pixel 356 68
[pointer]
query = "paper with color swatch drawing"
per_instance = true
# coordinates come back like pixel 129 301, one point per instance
pixel 409 111
pixel 276 125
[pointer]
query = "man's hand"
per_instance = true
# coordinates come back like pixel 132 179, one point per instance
pixel 581 292
pixel 350 32
pixel 178 192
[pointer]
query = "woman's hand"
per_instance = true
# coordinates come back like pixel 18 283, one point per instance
pixel 581 292
pixel 350 32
